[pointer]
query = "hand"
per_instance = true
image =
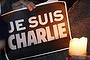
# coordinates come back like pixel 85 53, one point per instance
pixel 28 4
pixel 31 6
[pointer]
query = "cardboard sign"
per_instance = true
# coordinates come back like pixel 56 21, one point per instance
pixel 42 31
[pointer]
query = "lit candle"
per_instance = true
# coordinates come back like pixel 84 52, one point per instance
pixel 78 47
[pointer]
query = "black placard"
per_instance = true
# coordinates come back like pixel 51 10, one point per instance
pixel 42 31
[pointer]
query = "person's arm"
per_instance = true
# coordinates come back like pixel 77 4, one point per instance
pixel 2 44
pixel 2 2
pixel 30 5
pixel 3 33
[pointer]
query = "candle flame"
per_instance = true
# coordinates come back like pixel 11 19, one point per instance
pixel 78 46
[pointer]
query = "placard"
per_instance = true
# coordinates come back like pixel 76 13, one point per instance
pixel 39 32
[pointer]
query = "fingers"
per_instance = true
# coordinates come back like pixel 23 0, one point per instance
pixel 28 4
pixel 31 6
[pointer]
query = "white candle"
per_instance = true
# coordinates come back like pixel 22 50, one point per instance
pixel 78 47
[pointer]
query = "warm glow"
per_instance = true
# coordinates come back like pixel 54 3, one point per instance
pixel 78 46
